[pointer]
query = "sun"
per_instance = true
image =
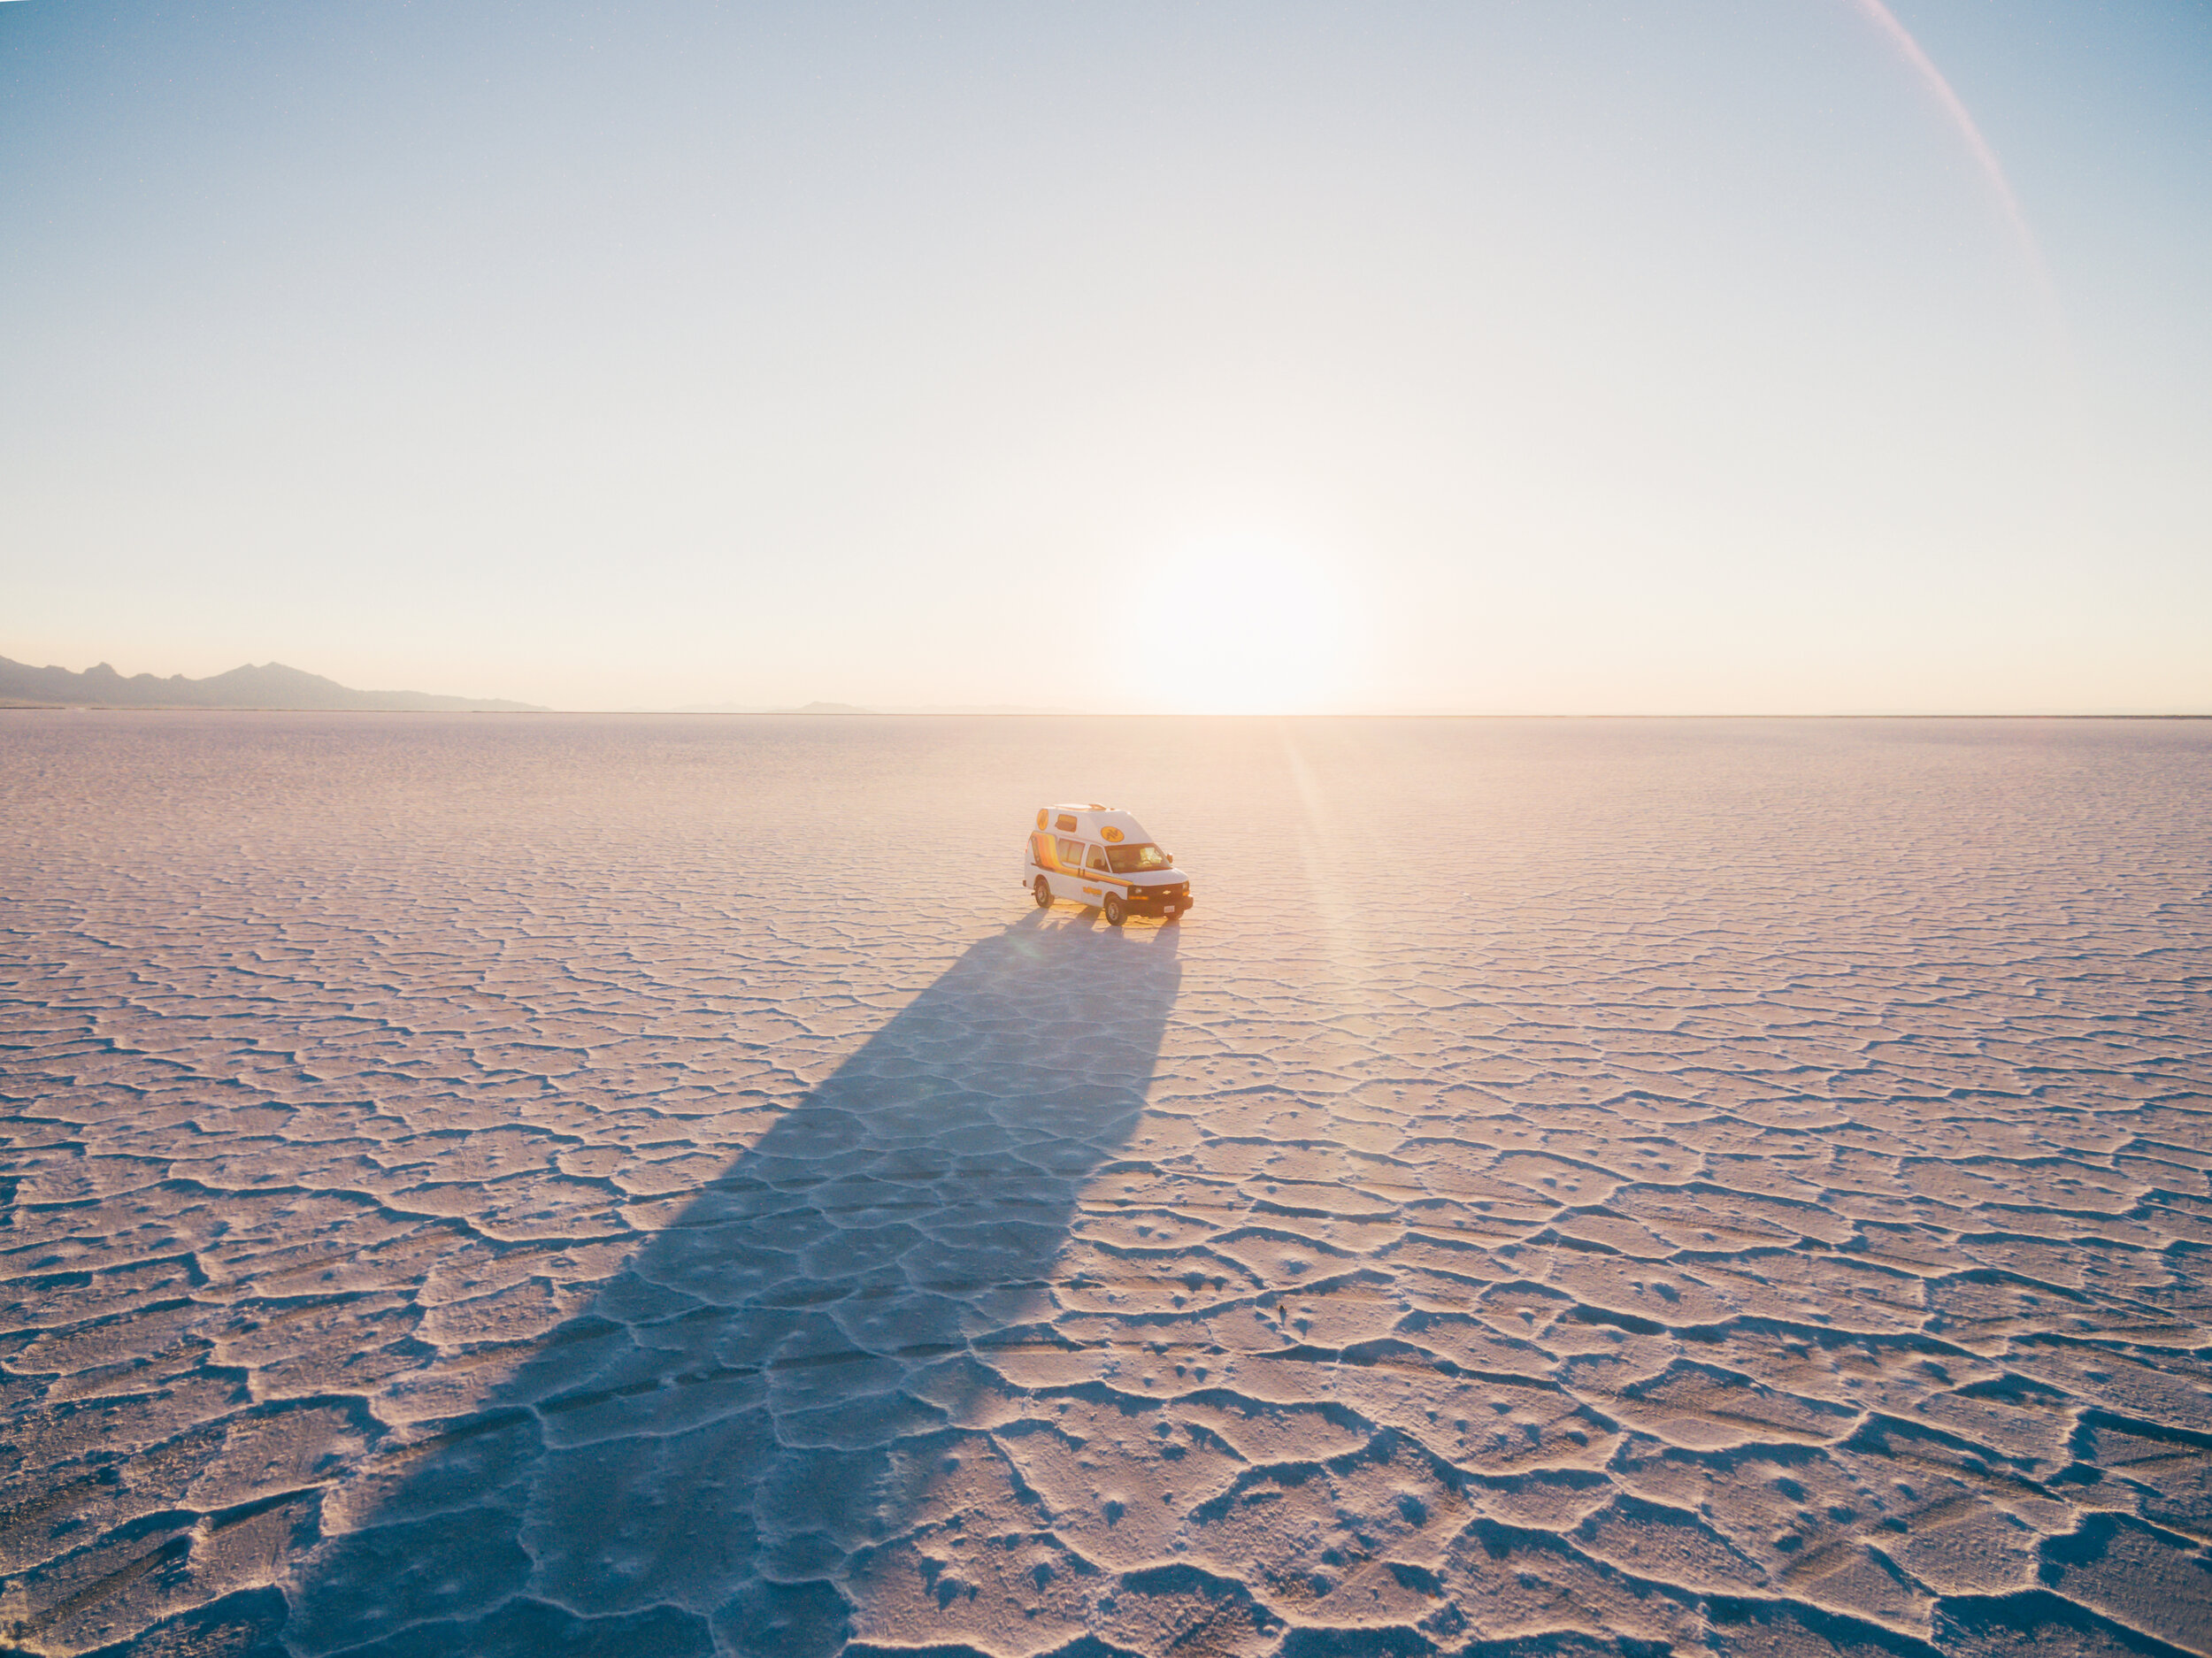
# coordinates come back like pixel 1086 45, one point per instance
pixel 1259 627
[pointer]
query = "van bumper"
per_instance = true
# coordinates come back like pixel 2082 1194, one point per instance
pixel 1150 906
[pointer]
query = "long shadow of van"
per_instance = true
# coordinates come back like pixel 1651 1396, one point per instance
pixel 761 1391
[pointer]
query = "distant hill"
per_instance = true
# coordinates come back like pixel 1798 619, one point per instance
pixel 272 685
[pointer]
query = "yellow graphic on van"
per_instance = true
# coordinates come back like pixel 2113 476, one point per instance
pixel 1109 834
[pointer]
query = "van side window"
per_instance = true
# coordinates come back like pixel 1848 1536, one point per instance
pixel 1071 854
pixel 1098 859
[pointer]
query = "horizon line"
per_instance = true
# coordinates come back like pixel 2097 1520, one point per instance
pixel 894 713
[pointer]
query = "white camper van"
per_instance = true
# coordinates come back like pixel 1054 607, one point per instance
pixel 1100 855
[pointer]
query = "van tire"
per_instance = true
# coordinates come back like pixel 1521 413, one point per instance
pixel 1042 893
pixel 1117 912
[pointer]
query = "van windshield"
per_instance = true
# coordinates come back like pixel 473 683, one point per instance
pixel 1130 860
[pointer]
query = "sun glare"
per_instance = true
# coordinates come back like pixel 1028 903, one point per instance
pixel 1260 629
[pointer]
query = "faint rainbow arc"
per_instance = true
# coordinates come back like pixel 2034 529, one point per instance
pixel 1899 36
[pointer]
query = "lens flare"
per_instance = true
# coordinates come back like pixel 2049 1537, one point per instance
pixel 1901 41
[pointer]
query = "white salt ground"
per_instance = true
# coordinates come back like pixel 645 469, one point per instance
pixel 488 1184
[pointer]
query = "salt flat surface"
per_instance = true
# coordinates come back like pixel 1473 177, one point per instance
pixel 488 1184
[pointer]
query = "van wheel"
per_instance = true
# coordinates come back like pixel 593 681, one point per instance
pixel 1042 893
pixel 1117 912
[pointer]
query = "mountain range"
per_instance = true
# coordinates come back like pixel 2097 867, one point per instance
pixel 270 684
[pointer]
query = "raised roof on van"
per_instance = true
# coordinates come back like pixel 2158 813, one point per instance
pixel 1092 821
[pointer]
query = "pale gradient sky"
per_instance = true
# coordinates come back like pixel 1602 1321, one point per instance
pixel 1788 356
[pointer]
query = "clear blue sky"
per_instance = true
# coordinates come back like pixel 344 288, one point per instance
pixel 1781 356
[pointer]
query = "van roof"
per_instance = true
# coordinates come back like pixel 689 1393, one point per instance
pixel 1092 820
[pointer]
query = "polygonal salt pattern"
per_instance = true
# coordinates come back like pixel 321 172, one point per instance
pixel 655 1186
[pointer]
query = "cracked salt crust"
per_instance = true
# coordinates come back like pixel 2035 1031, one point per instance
pixel 478 1184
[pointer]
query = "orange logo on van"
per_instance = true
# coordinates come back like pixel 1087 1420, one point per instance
pixel 1109 834
pixel 1040 817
